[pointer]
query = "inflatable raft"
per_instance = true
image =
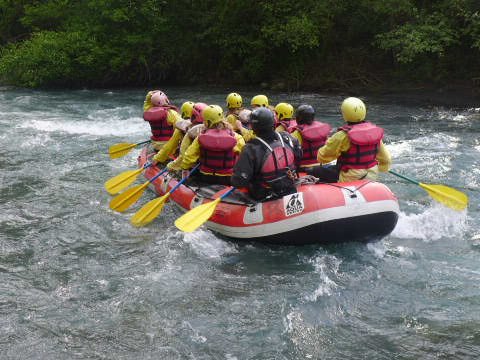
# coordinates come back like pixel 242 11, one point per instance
pixel 318 213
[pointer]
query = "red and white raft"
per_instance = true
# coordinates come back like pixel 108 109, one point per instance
pixel 362 211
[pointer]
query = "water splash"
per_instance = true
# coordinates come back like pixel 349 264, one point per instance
pixel 433 224
pixel 130 126
pixel 206 244
pixel 323 266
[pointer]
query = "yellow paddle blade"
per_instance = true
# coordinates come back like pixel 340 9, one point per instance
pixel 121 181
pixel 121 149
pixel 129 197
pixel 196 217
pixel 149 211
pixel 446 195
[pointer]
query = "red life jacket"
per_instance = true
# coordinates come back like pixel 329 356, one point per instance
pixel 278 162
pixel 216 151
pixel 288 125
pixel 314 137
pixel 157 118
pixel 364 143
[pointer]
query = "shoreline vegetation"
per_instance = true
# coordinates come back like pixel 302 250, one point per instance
pixel 357 46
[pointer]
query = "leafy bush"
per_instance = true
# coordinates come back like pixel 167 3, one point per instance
pixel 52 58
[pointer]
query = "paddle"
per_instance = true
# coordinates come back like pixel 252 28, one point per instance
pixel 153 208
pixel 129 197
pixel 121 181
pixel 446 195
pixel 121 149
pixel 196 217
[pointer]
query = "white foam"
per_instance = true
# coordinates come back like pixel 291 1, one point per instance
pixel 434 223
pixel 34 141
pixel 377 249
pixel 206 244
pixel 131 126
pixel 400 149
pixel 323 265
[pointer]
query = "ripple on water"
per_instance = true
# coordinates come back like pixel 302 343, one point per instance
pixel 79 282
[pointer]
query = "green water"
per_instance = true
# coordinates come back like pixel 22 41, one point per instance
pixel 78 282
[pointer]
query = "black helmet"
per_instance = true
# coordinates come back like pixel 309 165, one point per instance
pixel 305 114
pixel 261 119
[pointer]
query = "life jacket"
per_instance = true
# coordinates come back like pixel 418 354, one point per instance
pixel 314 137
pixel 157 118
pixel 364 144
pixel 288 125
pixel 216 151
pixel 278 165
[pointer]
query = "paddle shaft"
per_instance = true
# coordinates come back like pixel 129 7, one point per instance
pixel 227 193
pixel 158 175
pixel 143 142
pixel 404 177
pixel 184 179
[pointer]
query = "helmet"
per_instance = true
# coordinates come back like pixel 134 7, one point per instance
pixel 159 99
pixel 353 110
pixel 284 111
pixel 212 115
pixel 262 119
pixel 244 115
pixel 197 117
pixel 305 114
pixel 186 109
pixel 234 101
pixel 259 100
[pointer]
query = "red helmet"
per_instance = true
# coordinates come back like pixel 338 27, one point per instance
pixel 197 117
pixel 159 99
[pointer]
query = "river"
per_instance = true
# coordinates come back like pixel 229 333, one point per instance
pixel 78 282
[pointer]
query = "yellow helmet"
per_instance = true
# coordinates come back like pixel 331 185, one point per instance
pixel 234 101
pixel 186 109
pixel 284 111
pixel 353 110
pixel 259 100
pixel 212 115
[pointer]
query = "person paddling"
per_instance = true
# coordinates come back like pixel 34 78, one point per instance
pixel 161 116
pixel 284 117
pixel 189 112
pixel 311 134
pixel 216 148
pixel 357 146
pixel 234 106
pixel 267 164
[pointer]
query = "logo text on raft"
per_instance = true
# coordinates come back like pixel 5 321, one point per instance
pixel 293 204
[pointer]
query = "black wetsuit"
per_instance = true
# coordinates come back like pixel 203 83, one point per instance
pixel 248 169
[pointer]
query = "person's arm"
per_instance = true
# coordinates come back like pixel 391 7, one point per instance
pixel 191 155
pixel 246 133
pixel 244 169
pixel 384 158
pixel 240 144
pixel 333 148
pixel 169 147
pixel 173 117
pixel 297 149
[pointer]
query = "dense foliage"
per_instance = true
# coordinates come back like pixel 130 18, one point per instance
pixel 291 44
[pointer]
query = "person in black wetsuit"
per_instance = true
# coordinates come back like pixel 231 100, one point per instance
pixel 268 162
